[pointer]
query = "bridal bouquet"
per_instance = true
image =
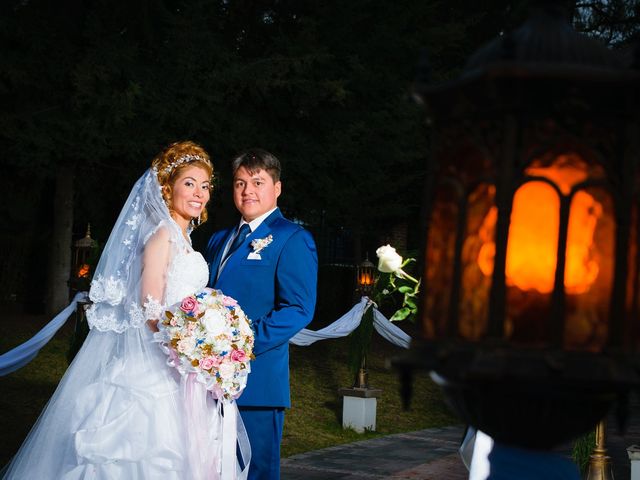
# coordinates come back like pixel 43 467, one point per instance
pixel 208 334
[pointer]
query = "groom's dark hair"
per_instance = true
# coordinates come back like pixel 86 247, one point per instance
pixel 256 159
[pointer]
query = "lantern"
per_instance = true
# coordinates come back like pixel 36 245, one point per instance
pixel 80 281
pixel 531 219
pixel 81 252
pixel 365 277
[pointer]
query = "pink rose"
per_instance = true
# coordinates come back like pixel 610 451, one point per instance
pixel 238 356
pixel 229 302
pixel 206 363
pixel 189 305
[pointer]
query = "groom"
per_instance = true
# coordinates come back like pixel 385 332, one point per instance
pixel 269 265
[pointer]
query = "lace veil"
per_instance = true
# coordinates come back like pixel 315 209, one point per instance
pixel 116 290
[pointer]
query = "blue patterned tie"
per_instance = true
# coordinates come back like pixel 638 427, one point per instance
pixel 242 234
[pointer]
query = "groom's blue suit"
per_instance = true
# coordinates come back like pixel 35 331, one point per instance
pixel 278 292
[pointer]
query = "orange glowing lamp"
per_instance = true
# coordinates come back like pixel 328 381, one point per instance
pixel 365 279
pixel 365 276
pixel 534 229
pixel 84 270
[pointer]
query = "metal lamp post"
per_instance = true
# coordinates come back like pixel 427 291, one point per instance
pixel 600 462
pixel 532 234
pixel 365 280
pixel 360 400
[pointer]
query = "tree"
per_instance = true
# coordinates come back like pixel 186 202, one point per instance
pixel 614 22
pixel 93 89
pixel 326 86
pixel 46 129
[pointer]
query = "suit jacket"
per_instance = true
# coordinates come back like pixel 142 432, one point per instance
pixel 277 292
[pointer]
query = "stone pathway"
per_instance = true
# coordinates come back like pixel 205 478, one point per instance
pixel 425 454
pixel 430 454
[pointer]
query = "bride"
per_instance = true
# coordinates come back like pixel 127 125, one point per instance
pixel 119 411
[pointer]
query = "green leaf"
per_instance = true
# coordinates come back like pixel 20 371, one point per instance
pixel 400 314
pixel 409 302
pixel 405 289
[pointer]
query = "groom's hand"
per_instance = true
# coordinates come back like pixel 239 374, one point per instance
pixel 153 325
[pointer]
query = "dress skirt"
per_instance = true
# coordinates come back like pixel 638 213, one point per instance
pixel 115 414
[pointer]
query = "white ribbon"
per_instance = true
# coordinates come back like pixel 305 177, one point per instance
pixel 229 440
pixel 215 430
pixel 349 322
pixel 203 424
pixel 22 354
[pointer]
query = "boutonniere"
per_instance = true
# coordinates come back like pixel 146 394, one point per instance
pixel 260 244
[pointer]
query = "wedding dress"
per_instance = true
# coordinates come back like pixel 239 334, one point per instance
pixel 120 411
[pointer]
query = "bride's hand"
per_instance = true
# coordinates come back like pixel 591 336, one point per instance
pixel 153 325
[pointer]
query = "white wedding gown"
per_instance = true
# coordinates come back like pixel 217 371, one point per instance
pixel 118 412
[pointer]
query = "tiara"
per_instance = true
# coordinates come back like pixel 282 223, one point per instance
pixel 183 159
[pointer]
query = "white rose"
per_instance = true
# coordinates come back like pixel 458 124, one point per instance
pixel 187 345
pixel 390 261
pixel 221 344
pixel 215 322
pixel 227 371
pixel 244 328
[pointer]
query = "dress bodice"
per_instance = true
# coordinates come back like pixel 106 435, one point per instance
pixel 117 304
pixel 187 274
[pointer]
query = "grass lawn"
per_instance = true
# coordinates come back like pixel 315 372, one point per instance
pixel 315 418
pixel 317 372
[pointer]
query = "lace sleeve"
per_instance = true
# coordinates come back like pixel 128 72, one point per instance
pixel 155 261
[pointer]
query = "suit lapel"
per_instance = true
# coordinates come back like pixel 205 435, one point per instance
pixel 265 227
pixel 215 264
pixel 262 231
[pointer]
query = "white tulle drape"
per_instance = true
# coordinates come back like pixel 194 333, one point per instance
pixel 19 356
pixel 24 353
pixel 349 322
